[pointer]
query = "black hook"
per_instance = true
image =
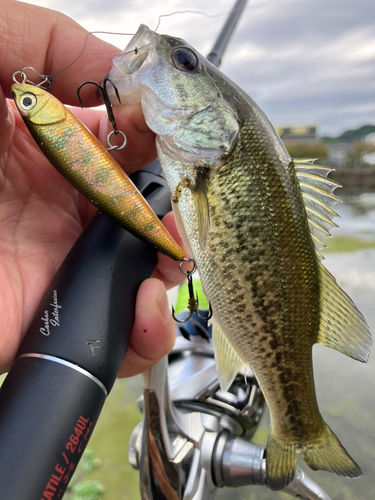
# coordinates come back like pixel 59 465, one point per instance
pixel 193 302
pixel 105 98
pixel 205 318
pixel 196 326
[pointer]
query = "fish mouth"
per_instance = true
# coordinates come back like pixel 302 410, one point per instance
pixel 144 36
pixel 137 52
pixel 138 57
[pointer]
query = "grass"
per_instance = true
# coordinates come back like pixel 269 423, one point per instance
pixel 347 244
pixel 110 441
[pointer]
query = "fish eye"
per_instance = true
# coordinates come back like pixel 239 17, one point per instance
pixel 27 101
pixel 184 59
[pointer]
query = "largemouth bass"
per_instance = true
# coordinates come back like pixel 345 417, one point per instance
pixel 78 155
pixel 254 221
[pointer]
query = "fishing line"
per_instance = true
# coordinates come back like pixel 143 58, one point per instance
pixel 47 80
pixel 130 34
pixel 84 47
pixel 203 13
pixel 210 16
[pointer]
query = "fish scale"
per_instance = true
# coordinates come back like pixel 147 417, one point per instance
pixel 254 221
pixel 256 275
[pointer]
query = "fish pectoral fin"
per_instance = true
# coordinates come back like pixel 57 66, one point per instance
pixel 281 463
pixel 181 228
pixel 327 453
pixel 228 363
pixel 202 208
pixel 342 326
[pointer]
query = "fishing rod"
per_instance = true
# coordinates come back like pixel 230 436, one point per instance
pixel 221 43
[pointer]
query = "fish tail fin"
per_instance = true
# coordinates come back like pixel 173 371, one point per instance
pixel 327 453
pixel 281 463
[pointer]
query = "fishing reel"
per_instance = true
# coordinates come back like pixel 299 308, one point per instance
pixel 196 438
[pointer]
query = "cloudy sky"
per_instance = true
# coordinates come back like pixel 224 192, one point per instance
pixel 303 61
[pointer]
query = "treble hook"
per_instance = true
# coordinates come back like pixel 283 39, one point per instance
pixel 108 107
pixel 193 302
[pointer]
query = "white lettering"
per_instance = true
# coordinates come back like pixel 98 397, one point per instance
pixel 55 311
pixel 45 319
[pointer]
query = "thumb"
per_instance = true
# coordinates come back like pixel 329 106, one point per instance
pixel 154 329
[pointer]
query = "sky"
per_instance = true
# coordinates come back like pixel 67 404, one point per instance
pixel 305 62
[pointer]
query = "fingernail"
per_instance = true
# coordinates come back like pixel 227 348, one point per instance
pixel 163 305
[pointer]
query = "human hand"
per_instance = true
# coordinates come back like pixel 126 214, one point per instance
pixel 41 215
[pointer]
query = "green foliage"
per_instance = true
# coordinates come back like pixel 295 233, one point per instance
pixel 81 488
pixel 90 461
pixel 347 244
pixel 351 135
pixel 306 149
pixel 355 157
pixel 87 490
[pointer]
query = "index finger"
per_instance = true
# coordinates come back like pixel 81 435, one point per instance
pixel 49 41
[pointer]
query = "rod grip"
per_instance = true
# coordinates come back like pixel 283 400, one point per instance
pixel 70 357
pixel 48 412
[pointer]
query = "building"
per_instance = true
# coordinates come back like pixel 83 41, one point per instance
pixel 302 133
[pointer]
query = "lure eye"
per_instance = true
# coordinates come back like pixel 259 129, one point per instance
pixel 184 59
pixel 27 102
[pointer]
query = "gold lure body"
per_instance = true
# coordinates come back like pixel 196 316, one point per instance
pixel 78 155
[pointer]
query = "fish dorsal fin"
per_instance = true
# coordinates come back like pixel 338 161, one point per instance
pixel 317 194
pixel 342 326
pixel 228 363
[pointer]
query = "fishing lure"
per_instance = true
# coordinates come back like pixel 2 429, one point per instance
pixel 78 155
